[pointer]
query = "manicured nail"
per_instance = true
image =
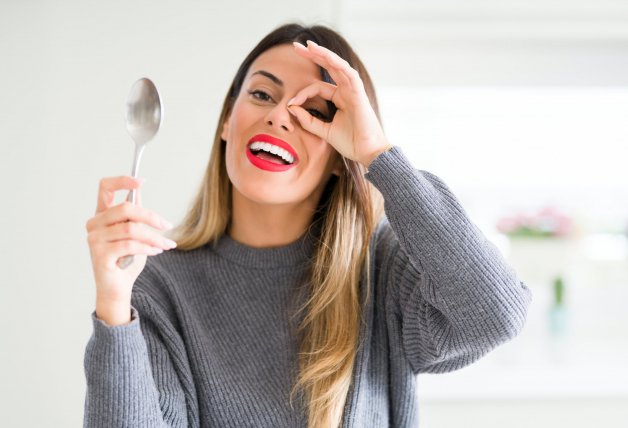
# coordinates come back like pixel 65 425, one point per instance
pixel 170 243
pixel 154 251
pixel 291 101
pixel 309 42
pixel 166 224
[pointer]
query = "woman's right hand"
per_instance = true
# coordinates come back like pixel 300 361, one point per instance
pixel 116 231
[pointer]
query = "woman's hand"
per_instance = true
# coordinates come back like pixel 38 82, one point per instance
pixel 355 131
pixel 116 231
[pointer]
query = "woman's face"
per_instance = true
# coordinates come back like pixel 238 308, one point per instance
pixel 260 120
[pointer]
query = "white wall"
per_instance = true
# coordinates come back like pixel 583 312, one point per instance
pixel 66 68
pixel 490 42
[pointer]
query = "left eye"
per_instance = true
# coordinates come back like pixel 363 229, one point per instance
pixel 317 114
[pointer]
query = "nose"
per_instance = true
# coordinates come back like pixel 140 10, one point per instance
pixel 279 117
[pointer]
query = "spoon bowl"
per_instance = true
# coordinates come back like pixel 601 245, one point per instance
pixel 143 119
pixel 143 111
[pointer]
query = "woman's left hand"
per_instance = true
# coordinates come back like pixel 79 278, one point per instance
pixel 355 131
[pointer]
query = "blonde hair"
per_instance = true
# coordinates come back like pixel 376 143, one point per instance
pixel 348 212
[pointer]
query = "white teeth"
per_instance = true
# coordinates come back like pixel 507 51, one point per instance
pixel 270 148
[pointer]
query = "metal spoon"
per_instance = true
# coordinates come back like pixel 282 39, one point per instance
pixel 143 118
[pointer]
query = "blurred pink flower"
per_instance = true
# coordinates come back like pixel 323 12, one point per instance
pixel 548 221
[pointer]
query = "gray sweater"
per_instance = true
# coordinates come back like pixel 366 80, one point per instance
pixel 212 341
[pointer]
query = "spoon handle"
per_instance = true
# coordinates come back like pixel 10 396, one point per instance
pixel 126 261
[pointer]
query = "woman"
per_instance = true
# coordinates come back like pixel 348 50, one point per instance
pixel 291 300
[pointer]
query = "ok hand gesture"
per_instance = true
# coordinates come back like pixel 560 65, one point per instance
pixel 355 131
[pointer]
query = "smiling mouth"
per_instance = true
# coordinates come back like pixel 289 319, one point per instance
pixel 271 153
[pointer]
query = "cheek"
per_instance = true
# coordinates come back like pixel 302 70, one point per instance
pixel 319 151
pixel 235 133
pixel 242 117
pixel 228 124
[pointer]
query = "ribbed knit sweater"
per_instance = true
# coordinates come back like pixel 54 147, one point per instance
pixel 212 340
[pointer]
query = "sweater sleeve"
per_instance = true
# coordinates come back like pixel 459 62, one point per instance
pixel 449 288
pixel 131 379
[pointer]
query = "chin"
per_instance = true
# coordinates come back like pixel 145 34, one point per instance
pixel 269 195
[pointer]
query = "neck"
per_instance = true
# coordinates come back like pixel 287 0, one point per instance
pixel 263 225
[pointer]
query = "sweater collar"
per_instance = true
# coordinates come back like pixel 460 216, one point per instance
pixel 298 252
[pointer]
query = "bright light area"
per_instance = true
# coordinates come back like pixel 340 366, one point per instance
pixel 505 148
pixel 514 137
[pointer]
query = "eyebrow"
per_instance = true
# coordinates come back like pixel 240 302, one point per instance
pixel 270 76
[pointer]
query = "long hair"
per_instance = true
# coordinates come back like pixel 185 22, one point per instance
pixel 347 214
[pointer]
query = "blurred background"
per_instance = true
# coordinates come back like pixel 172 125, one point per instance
pixel 520 106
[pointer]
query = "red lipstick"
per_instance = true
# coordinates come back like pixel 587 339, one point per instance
pixel 267 165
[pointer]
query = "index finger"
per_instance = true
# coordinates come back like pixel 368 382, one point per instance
pixel 337 67
pixel 323 89
pixel 108 187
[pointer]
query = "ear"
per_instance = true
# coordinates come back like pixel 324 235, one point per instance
pixel 225 128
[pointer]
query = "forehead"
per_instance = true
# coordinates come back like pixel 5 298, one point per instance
pixel 287 65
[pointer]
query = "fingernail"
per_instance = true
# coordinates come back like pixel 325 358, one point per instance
pixel 309 42
pixel 154 251
pixel 170 243
pixel 166 225
pixel 140 180
pixel 298 45
pixel 291 101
